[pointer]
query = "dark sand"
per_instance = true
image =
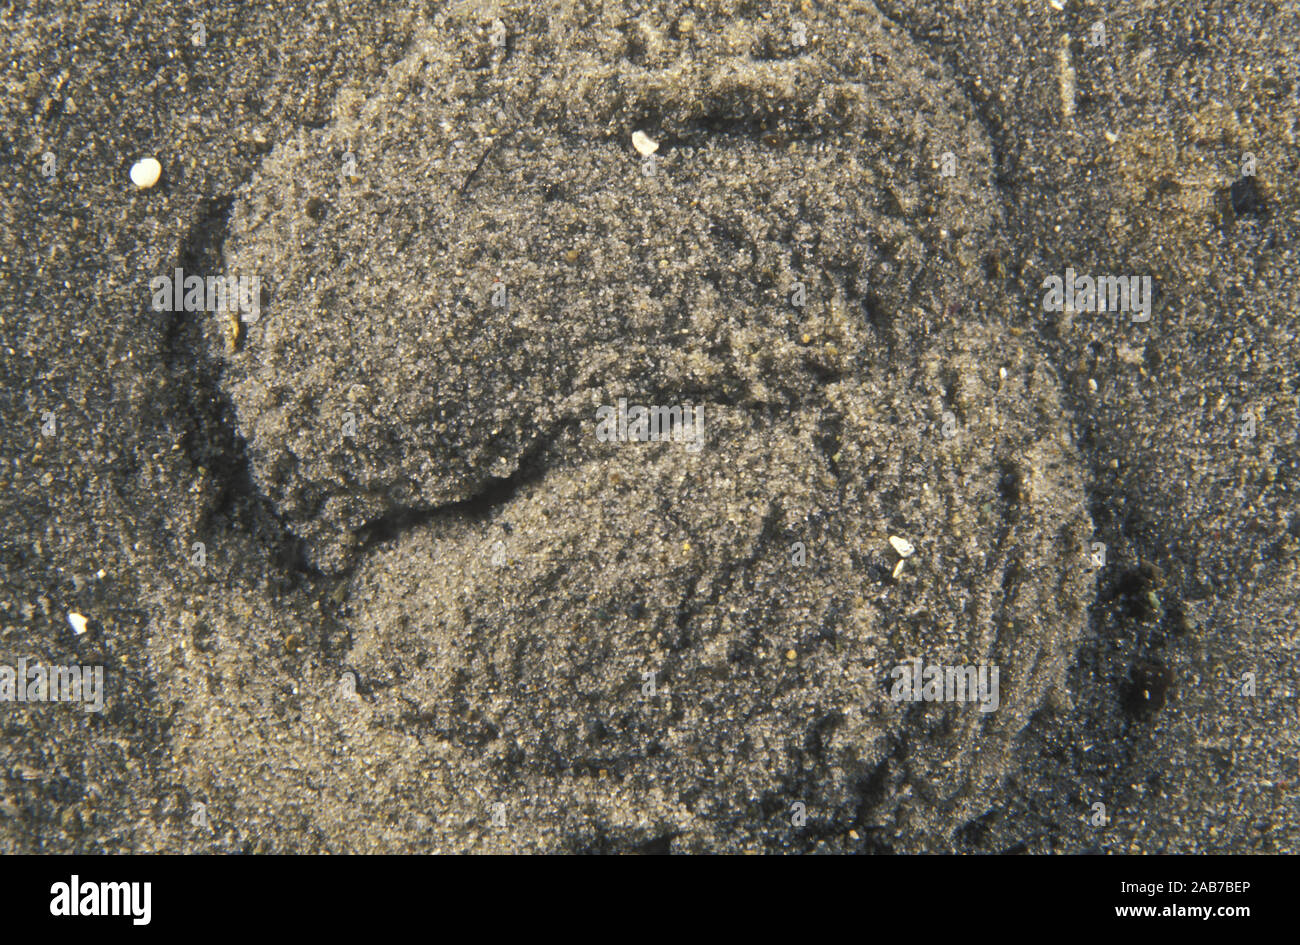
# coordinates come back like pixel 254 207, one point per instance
pixel 433 612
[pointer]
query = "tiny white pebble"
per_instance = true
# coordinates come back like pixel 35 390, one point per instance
pixel 902 546
pixel 898 568
pixel 1092 385
pixel 1002 373
pixel 78 623
pixel 145 173
pixel 644 143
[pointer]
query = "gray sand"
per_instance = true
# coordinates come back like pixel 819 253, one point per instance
pixel 432 611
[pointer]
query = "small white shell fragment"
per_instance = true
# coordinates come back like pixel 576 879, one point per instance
pixel 145 173
pixel 902 546
pixel 1066 76
pixel 898 568
pixel 644 144
pixel 78 622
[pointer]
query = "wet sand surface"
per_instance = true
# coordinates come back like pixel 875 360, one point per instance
pixel 365 572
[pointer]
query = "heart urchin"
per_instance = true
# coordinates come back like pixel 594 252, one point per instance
pixel 630 644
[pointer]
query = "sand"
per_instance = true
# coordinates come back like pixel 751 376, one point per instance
pixel 361 574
